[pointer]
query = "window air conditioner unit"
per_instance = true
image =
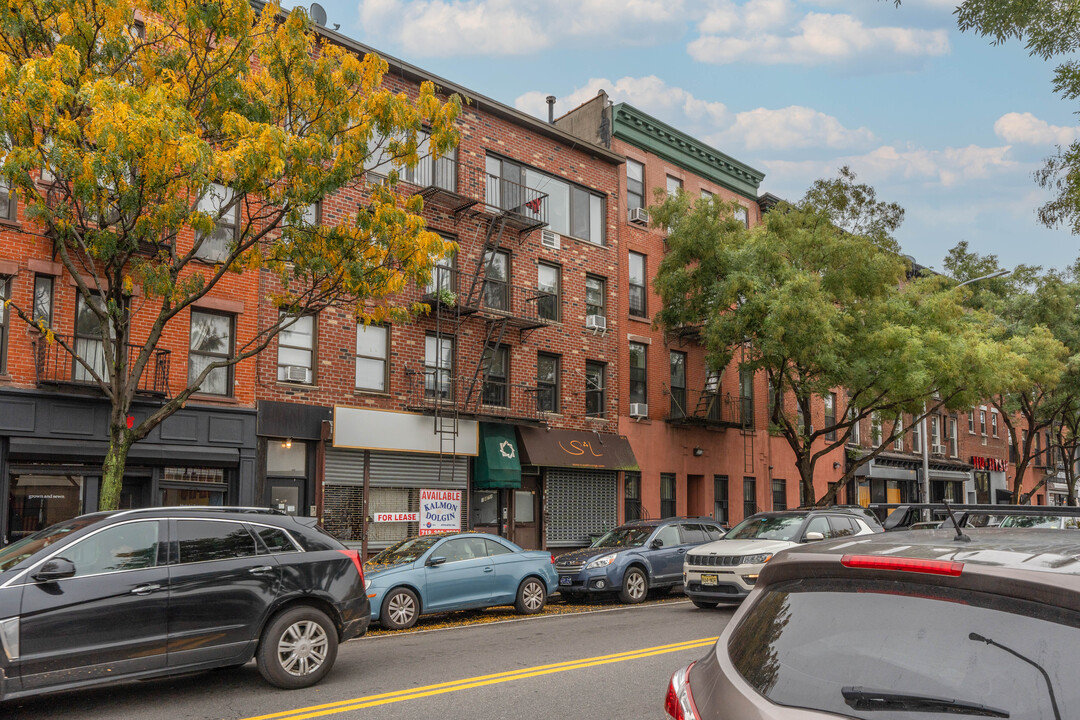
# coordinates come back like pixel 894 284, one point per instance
pixel 550 239
pixel 639 410
pixel 297 373
pixel 638 216
pixel 595 322
pixel 937 449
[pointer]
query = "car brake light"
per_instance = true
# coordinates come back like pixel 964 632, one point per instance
pixel 679 702
pixel 880 562
pixel 354 555
pixel 552 558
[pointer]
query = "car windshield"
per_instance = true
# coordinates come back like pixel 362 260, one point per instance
pixel 405 551
pixel 895 651
pixel 16 552
pixel 1031 521
pixel 781 527
pixel 623 537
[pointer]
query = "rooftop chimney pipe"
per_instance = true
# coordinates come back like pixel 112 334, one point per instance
pixel 551 108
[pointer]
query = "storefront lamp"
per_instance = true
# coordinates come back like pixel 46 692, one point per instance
pixel 287 443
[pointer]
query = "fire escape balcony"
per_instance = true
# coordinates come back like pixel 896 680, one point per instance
pixel 437 391
pixel 453 291
pixel 709 409
pixel 55 366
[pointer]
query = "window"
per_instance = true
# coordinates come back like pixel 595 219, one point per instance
pixel 5 288
pixel 674 185
pixel 372 352
pixel 678 384
pixel 875 428
pixel 496 279
pixel 953 450
pixel 460 549
pixel 720 499
pixel 209 540
pixel 571 209
pixel 547 382
pixel 211 341
pixel 275 540
pixel 8 204
pixel 130 546
pixel 830 416
pixel 632 497
pixel 442 276
pixel 638 383
pixel 88 341
pixel 706 195
pixel 494 547
pixel 547 282
pixel 897 429
pixel 916 437
pixel 594 295
pixel 296 351
pixel 216 202
pixel 746 396
pixel 982 422
pixel 667 495
pixel 971 421
pixel 43 299
pixel 855 438
pixel 742 215
pixel 692 534
pixel 595 392
pixel 935 432
pixel 635 184
pixel 637 285
pixel 749 486
pixel 497 380
pixel 438 367
pixel 993 423
pixel 779 494
pixel 192 486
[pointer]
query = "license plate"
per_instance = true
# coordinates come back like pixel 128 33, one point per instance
pixel 709 580
pixel 566 580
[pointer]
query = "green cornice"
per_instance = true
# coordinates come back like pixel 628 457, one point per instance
pixel 646 132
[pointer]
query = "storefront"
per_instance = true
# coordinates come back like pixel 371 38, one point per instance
pixel 290 443
pixel 52 448
pixel 989 485
pixel 887 479
pixel 948 484
pixel 577 477
pixel 378 465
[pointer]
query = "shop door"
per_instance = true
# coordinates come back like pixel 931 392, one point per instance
pixel 526 509
pixel 287 495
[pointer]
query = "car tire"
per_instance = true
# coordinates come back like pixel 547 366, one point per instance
pixel 531 596
pixel 400 609
pixel 704 604
pixel 635 586
pixel 297 648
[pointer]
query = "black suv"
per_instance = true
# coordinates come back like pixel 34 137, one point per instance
pixel 159 591
pixel 908 625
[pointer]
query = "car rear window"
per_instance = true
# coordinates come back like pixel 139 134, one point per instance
pixel 836 646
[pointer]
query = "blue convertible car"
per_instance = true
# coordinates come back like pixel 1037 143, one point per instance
pixel 457 571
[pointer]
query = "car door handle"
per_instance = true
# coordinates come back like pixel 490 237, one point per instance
pixel 145 589
pixel 489 569
pixel 261 570
pixel 682 550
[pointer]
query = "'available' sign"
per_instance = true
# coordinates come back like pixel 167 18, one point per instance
pixel 440 511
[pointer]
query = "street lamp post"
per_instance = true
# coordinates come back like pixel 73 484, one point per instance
pixel 925 436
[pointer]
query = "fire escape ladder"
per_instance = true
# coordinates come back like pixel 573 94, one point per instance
pixel 492 240
pixel 496 328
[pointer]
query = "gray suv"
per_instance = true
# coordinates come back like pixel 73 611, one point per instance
pixel 900 627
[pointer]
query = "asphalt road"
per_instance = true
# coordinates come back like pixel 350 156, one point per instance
pixel 614 662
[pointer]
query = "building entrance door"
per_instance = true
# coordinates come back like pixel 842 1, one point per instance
pixel 286 495
pixel 526 513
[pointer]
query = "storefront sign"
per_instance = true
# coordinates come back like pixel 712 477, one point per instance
pixel 574 448
pixel 364 429
pixel 989 463
pixel 397 517
pixel 440 511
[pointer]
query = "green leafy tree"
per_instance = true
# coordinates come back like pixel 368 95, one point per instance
pixel 817 298
pixel 170 146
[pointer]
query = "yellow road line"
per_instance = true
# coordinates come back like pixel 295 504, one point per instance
pixel 453 686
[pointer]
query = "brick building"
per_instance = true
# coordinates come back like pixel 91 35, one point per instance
pixel 54 419
pixel 502 393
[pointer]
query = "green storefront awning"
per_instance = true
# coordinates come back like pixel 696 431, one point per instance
pixel 498 464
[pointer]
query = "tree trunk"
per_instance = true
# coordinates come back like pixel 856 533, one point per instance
pixel 112 472
pixel 806 477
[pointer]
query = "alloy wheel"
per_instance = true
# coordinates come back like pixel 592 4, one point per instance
pixel 401 609
pixel 636 585
pixel 302 648
pixel 533 596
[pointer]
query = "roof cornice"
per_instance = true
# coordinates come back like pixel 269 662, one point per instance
pixel 645 131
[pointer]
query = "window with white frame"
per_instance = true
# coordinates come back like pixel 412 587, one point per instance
pixel 635 184
pixel 993 422
pixel 953 448
pixel 637 293
pixel 916 437
pixel 571 209
pixel 674 185
pixel 897 429
pixel 296 350
pixel 218 203
pixel 439 366
pixel 372 357
pixel 8 204
pixel 742 215
pixel 211 341
pixel 594 295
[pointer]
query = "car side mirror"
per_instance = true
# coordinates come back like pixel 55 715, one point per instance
pixel 813 536
pixel 432 562
pixel 55 569
pixel 656 544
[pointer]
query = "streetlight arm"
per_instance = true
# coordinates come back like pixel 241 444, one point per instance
pixel 999 273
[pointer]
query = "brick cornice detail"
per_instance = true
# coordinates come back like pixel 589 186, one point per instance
pixel 9 267
pixel 220 304
pixel 44 267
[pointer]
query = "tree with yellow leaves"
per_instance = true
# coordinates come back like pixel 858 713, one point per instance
pixel 164 147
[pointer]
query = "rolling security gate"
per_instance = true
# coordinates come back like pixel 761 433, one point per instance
pixel 395 482
pixel 579 503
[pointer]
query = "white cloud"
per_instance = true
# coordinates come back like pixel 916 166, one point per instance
pixel 792 127
pixel 505 27
pixel 761 31
pixel 1026 129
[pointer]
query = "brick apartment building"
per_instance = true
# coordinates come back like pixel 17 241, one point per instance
pixel 54 420
pixel 502 393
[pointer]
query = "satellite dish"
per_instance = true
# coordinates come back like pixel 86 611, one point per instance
pixel 318 14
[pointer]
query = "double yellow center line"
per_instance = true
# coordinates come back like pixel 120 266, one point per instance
pixel 429 690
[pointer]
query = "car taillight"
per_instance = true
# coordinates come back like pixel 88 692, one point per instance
pixel 882 562
pixel 679 702
pixel 354 555
pixel 552 558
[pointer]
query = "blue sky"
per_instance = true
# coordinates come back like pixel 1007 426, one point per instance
pixel 945 124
